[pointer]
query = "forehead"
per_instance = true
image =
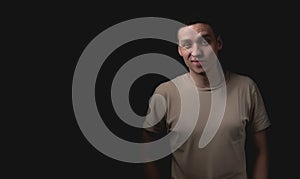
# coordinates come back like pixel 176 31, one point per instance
pixel 195 29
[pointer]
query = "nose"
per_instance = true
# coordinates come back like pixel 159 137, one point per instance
pixel 196 50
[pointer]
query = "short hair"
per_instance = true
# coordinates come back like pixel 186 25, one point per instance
pixel 213 22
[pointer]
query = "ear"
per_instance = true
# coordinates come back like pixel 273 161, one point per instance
pixel 179 50
pixel 219 42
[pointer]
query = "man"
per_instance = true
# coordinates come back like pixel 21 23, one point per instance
pixel 209 148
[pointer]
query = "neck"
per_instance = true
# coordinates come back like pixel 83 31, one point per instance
pixel 207 79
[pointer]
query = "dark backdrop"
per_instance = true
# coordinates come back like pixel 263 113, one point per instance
pixel 258 41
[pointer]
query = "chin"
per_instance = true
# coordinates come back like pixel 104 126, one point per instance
pixel 198 71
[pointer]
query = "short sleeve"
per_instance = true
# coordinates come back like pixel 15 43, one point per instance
pixel 259 117
pixel 155 120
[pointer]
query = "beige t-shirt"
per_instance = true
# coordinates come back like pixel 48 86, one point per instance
pixel 224 156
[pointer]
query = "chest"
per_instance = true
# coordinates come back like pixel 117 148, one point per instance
pixel 233 120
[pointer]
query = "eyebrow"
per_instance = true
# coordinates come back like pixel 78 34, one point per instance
pixel 185 40
pixel 206 35
pixel 202 36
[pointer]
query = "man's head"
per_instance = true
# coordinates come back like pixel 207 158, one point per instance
pixel 199 43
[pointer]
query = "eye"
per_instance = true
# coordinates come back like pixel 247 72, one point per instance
pixel 204 42
pixel 186 45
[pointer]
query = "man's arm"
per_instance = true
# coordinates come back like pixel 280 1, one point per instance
pixel 151 168
pixel 261 165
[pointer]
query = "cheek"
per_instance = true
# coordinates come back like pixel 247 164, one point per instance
pixel 213 50
pixel 186 63
pixel 210 53
pixel 184 54
pixel 185 57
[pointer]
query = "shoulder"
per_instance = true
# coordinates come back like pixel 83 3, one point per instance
pixel 237 77
pixel 164 87
pixel 169 87
pixel 241 80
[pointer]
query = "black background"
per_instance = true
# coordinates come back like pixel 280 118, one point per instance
pixel 48 39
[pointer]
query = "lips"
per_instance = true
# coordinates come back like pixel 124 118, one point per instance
pixel 196 63
pixel 199 61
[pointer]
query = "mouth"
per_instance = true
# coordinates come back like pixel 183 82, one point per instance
pixel 196 62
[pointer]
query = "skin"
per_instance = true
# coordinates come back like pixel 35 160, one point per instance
pixel 199 47
pixel 261 164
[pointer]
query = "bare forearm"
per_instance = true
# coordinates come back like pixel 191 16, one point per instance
pixel 261 166
pixel 151 171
